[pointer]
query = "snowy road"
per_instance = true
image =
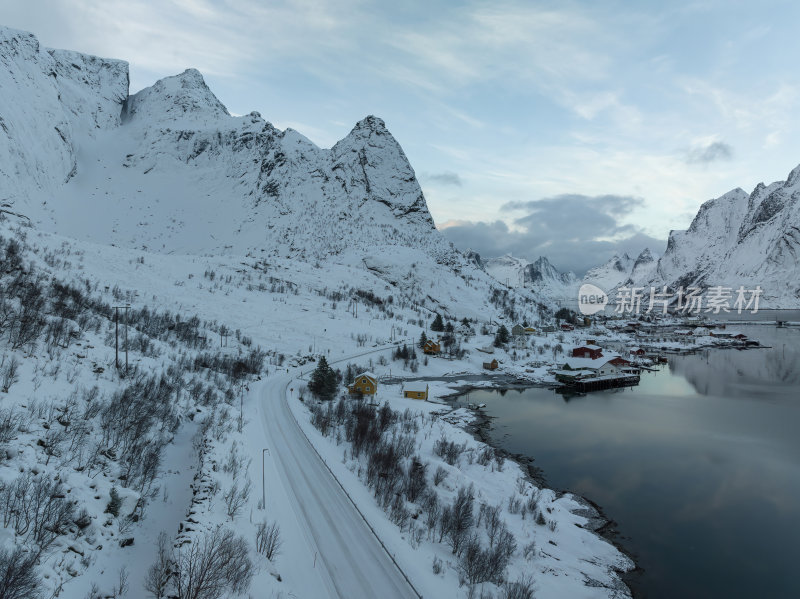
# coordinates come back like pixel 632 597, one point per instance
pixel 350 561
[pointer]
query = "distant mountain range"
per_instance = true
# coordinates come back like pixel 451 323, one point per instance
pixel 543 278
pixel 736 240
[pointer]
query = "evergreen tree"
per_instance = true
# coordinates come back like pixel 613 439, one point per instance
pixel 437 324
pixel 324 381
pixel 423 339
pixel 502 336
pixel 449 327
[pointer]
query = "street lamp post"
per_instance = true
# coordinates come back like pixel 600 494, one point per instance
pixel 263 484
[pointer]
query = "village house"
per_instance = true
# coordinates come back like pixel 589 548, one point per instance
pixel 493 365
pixel 432 347
pixel 517 330
pixel 603 366
pixel 548 329
pixel 567 327
pixel 637 351
pixel 589 350
pixel 530 331
pixel 365 383
pixel 415 390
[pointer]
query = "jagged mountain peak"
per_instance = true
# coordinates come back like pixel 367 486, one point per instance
pixel 644 257
pixel 473 257
pixel 369 132
pixel 542 269
pixel 176 99
pixel 370 123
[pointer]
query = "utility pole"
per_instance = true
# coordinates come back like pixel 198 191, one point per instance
pixel 116 337
pixel 126 339
pixel 263 484
pixel 241 406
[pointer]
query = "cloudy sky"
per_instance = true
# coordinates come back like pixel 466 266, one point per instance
pixel 568 129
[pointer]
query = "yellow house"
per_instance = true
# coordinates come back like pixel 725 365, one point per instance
pixel 416 391
pixel 530 331
pixel 365 383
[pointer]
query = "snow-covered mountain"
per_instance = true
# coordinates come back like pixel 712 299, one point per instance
pixel 740 240
pixel 612 273
pixel 540 275
pixel 169 170
pixel 622 271
pixel 174 172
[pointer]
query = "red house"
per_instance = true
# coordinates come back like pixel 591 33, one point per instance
pixel 567 327
pixel 587 351
pixel 637 351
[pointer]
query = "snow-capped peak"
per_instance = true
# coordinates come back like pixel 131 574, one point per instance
pixel 176 99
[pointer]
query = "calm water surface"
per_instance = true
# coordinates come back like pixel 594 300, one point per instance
pixel 699 465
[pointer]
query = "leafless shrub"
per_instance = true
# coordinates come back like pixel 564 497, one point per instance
pixel 160 573
pixel 18 578
pixel 236 498
pixel 9 374
pixel 439 475
pixel 215 565
pixel 521 588
pixel 268 539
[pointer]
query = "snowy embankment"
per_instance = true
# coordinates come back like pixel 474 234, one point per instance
pixel 518 535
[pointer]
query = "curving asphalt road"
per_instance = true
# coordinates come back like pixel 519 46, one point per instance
pixel 353 563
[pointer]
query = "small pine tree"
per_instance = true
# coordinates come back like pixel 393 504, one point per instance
pixel 115 503
pixel 502 336
pixel 324 380
pixel 423 339
pixel 438 323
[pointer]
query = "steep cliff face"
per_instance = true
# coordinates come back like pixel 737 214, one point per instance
pixel 52 104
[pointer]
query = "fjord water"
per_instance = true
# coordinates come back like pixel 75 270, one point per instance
pixel 699 466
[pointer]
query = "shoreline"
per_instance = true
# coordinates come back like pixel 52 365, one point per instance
pixel 599 523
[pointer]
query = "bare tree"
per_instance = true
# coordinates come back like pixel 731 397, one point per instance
pixel 213 565
pixel 236 498
pixel 18 579
pixel 268 539
pixel 9 375
pixel 160 573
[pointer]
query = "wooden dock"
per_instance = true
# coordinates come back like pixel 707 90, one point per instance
pixel 601 383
